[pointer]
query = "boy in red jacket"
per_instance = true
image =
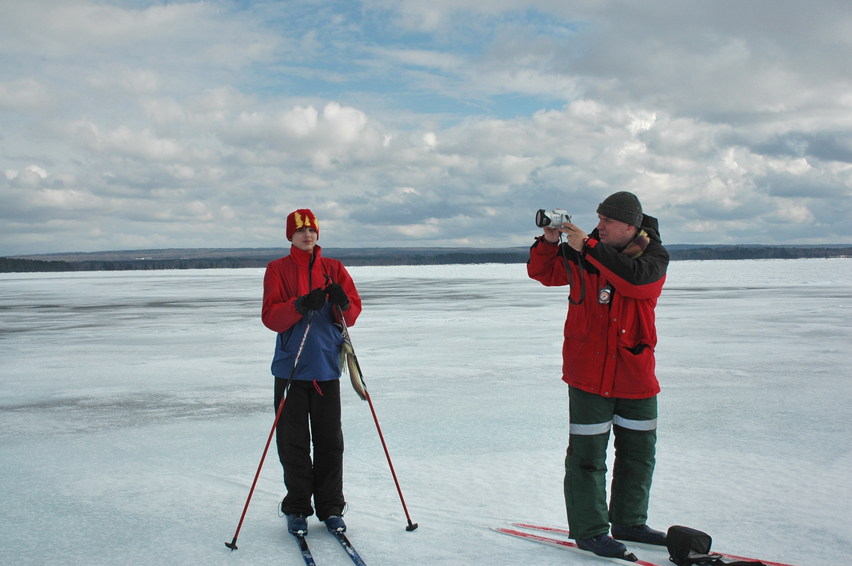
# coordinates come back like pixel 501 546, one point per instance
pixel 303 297
pixel 616 274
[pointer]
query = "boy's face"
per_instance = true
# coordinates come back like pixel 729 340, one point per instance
pixel 305 239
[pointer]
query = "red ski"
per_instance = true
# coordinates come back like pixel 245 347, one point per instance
pixel 565 532
pixel 629 560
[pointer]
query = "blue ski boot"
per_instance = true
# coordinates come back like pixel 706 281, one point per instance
pixel 603 545
pixel 335 523
pixel 297 524
pixel 639 533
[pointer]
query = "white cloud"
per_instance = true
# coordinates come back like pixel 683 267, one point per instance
pixel 154 121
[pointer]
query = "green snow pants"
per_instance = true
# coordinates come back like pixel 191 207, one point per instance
pixel 634 422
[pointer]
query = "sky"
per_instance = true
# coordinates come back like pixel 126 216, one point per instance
pixel 140 124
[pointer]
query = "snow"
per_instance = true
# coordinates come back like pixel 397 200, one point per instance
pixel 135 407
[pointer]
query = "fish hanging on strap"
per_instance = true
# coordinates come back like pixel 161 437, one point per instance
pixel 349 364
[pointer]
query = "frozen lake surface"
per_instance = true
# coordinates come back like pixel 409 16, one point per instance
pixel 135 406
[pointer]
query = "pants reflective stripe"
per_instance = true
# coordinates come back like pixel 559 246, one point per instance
pixel 602 428
pixel 590 429
pixel 635 425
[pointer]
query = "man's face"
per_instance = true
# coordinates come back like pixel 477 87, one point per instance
pixel 615 232
pixel 305 239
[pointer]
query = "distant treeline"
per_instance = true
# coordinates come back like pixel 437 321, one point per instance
pixel 252 257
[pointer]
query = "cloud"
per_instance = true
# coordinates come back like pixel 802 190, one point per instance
pixel 409 123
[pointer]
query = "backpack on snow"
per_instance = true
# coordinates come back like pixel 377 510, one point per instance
pixel 691 547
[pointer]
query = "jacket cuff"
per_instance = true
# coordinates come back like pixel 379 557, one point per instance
pixel 542 240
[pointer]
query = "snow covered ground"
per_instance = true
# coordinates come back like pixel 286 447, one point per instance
pixel 135 406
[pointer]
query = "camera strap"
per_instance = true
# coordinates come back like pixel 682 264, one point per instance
pixel 580 268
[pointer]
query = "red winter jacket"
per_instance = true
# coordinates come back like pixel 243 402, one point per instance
pixel 285 280
pixel 290 277
pixel 608 348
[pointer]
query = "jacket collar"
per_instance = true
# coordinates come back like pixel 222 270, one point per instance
pixel 637 247
pixel 302 257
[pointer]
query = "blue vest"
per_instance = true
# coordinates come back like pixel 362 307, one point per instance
pixel 320 357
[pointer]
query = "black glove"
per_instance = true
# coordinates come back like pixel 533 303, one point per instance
pixel 337 296
pixel 313 301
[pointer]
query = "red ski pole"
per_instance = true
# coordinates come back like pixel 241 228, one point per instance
pixel 411 526
pixel 233 544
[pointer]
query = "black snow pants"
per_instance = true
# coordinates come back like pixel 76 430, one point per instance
pixel 311 413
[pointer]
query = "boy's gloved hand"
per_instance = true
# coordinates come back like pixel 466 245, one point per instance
pixel 313 301
pixel 337 296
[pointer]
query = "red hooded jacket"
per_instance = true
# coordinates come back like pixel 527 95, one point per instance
pixel 285 280
pixel 608 348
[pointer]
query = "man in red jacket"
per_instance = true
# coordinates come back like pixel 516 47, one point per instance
pixel 616 274
pixel 303 296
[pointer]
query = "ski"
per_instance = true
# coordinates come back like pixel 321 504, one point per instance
pixel 304 549
pixel 565 532
pixel 629 559
pixel 347 546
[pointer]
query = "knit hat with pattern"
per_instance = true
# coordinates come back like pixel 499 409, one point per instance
pixel 299 219
pixel 622 206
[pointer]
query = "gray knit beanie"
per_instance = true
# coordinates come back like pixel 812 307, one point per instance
pixel 622 206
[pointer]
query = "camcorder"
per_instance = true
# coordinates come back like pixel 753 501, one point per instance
pixel 551 218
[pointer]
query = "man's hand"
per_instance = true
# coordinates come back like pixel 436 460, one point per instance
pixel 551 235
pixel 574 236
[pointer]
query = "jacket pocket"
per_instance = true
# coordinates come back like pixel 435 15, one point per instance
pixel 638 362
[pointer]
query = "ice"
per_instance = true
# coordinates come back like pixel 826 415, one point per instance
pixel 135 406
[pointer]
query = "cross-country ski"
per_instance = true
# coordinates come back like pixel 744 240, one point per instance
pixel 341 537
pixel 566 533
pixel 629 559
pixel 304 549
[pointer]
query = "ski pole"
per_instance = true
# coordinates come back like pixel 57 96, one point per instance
pixel 233 544
pixel 411 526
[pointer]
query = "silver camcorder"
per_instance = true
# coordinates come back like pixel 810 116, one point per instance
pixel 551 218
